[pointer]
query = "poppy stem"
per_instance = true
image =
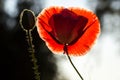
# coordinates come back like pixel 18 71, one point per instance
pixel 66 51
pixel 32 55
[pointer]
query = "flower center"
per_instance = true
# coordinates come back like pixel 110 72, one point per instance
pixel 67 26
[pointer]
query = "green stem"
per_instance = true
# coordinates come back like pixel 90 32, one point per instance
pixel 32 51
pixel 66 51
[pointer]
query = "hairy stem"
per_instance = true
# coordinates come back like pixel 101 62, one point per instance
pixel 33 58
pixel 66 51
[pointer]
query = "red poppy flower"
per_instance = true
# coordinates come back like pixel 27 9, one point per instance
pixel 77 28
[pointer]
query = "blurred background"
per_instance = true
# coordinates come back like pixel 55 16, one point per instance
pixel 101 63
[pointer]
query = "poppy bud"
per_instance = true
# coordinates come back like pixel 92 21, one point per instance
pixel 27 19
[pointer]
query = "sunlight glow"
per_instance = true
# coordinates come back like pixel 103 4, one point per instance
pixel 66 3
pixel 11 7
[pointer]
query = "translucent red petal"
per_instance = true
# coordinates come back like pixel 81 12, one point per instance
pixel 81 45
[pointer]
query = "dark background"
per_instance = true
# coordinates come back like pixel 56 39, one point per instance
pixel 15 62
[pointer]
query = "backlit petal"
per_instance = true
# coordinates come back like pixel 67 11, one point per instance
pixel 90 35
pixel 79 30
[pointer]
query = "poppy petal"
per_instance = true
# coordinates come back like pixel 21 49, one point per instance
pixel 44 28
pixel 83 34
pixel 68 24
pixel 92 30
